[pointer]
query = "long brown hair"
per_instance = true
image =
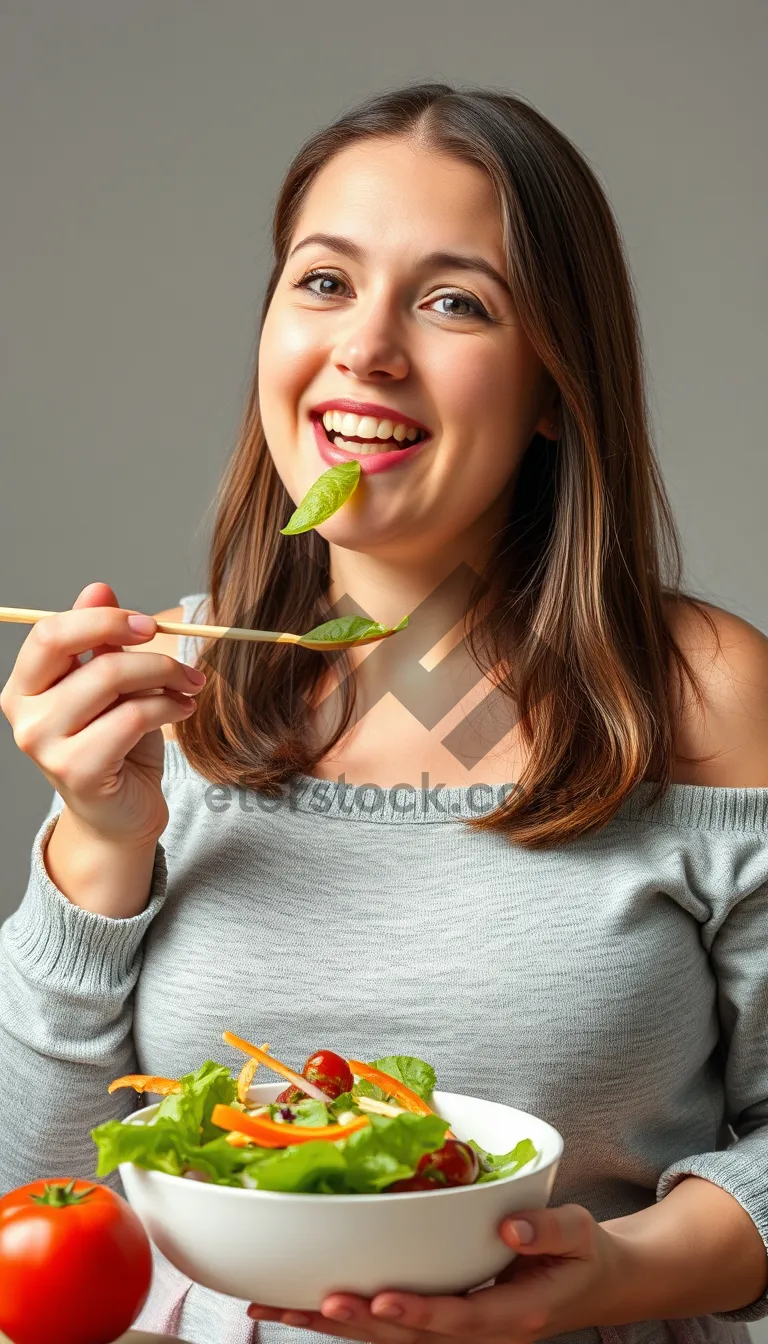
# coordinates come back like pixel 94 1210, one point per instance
pixel 589 556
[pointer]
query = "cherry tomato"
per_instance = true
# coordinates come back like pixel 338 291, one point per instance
pixel 75 1263
pixel 412 1183
pixel 326 1070
pixel 456 1162
pixel 329 1072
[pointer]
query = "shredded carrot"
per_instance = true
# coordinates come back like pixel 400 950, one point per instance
pixel 409 1100
pixel 263 1058
pixel 270 1134
pixel 145 1082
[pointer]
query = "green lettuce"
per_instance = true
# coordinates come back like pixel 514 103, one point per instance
pixel 370 1159
pixel 495 1165
pixel 308 1112
pixel 416 1075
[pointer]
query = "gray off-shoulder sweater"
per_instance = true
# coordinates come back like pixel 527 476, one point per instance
pixel 618 987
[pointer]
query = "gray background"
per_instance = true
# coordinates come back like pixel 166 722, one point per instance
pixel 142 147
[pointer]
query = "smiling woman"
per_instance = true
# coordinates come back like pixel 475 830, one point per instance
pixel 449 326
pixel 453 254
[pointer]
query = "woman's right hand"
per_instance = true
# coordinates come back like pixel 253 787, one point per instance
pixel 94 728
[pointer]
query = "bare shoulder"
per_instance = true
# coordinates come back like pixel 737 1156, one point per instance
pixel 731 665
pixel 162 643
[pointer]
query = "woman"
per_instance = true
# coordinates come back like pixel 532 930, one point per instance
pixel 587 946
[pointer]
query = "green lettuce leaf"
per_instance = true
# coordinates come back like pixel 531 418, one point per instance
pixel 389 1150
pixel 346 1102
pixel 416 1075
pixel 324 497
pixel 180 1126
pixel 496 1165
pixel 385 1151
pixel 211 1085
pixel 308 1112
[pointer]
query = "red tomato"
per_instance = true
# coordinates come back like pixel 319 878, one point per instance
pixel 326 1070
pixel 455 1162
pixel 75 1263
pixel 329 1072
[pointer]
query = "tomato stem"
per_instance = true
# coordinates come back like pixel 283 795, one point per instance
pixel 61 1196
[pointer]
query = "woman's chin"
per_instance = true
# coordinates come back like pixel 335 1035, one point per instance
pixel 353 534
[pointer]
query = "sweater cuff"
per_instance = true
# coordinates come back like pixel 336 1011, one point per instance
pixel 70 947
pixel 739 1169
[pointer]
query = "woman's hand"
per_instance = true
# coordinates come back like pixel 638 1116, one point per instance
pixel 569 1276
pixel 94 728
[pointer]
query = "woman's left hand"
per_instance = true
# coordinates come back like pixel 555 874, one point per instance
pixel 567 1277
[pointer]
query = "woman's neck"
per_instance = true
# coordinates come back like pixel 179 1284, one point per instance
pixel 386 584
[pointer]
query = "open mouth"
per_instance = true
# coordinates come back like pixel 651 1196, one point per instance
pixel 381 437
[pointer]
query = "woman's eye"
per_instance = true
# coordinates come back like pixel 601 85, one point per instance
pixel 325 278
pixel 475 309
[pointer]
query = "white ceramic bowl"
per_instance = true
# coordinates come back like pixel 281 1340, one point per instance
pixel 291 1250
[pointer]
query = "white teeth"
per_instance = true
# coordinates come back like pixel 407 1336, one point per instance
pixel 359 447
pixel 367 427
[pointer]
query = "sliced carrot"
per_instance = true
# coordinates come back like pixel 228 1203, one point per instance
pixel 391 1087
pixel 145 1082
pixel 272 1135
pixel 263 1058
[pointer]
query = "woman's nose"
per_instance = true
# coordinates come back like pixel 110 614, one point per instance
pixel 371 347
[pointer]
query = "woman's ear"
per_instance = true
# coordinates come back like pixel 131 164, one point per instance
pixel 549 423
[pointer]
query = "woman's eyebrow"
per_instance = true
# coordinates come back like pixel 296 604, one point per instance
pixel 434 259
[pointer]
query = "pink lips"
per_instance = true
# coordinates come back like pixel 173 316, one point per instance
pixel 370 463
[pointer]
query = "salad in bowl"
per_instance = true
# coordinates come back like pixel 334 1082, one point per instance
pixel 273 1193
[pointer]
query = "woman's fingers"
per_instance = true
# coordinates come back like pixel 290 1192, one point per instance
pixel 97 753
pixel 91 689
pixel 48 651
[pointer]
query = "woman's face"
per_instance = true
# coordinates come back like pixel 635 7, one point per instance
pixel 395 315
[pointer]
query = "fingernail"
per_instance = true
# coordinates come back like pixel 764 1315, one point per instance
pixel 389 1309
pixel 522 1230
pixel 195 675
pixel 256 1313
pixel 295 1318
pixel 338 1313
pixel 141 625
